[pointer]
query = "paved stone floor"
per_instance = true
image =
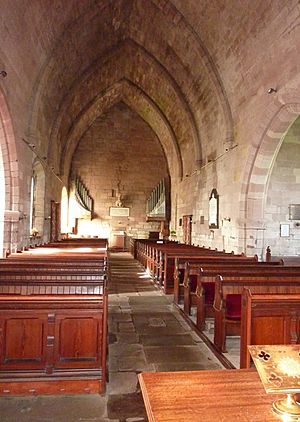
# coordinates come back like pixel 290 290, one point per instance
pixel 146 333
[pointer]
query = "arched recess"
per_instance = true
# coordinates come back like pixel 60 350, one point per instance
pixel 64 211
pixel 9 181
pixel 254 189
pixel 139 102
pixel 37 214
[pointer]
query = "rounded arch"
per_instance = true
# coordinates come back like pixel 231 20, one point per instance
pixel 9 181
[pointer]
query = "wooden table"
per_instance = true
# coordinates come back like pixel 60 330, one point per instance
pixel 216 396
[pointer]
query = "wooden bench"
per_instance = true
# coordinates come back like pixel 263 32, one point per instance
pixel 48 282
pixel 177 264
pixel 149 252
pixel 167 277
pixel 193 263
pixel 199 283
pixel 268 319
pixel 62 299
pixel 227 302
pixel 52 344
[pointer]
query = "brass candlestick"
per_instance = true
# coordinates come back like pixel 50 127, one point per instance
pixel 279 370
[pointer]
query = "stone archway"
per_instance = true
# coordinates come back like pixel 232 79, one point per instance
pixel 9 182
pixel 256 181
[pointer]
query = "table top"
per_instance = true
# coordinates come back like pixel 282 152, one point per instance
pixel 218 396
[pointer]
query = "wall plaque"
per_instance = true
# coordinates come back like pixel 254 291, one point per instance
pixel 284 230
pixel 119 211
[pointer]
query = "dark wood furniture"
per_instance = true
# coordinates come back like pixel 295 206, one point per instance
pixel 53 321
pixel 227 303
pixel 201 293
pixel 268 319
pixel 210 396
pixel 52 344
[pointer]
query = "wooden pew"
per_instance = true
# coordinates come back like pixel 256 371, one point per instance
pixel 192 264
pixel 199 283
pixel 177 263
pixel 227 303
pixel 167 278
pixel 64 295
pixel 78 243
pixel 268 319
pixel 52 344
pixel 151 254
pixel 49 282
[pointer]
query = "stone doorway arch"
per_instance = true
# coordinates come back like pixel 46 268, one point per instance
pixel 255 187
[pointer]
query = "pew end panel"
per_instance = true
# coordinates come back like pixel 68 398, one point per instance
pixel 52 344
pixel 268 319
pixel 227 309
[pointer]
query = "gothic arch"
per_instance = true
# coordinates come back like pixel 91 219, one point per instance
pixel 122 23
pixel 139 102
pixel 9 180
pixel 111 70
pixel 255 186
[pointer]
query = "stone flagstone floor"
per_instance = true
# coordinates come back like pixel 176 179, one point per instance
pixel 146 333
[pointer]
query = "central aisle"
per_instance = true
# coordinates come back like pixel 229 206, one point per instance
pixel 146 333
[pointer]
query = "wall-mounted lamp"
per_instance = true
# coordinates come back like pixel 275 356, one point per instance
pixel 272 90
pixel 3 74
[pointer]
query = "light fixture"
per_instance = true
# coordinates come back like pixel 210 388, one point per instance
pixel 272 90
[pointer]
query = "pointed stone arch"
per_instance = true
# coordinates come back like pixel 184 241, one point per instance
pixel 254 188
pixel 121 22
pixel 137 100
pixel 9 181
pixel 110 71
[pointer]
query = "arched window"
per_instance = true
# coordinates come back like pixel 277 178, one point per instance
pixel 37 200
pixel 64 210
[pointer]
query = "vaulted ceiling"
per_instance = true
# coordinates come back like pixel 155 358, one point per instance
pixel 70 61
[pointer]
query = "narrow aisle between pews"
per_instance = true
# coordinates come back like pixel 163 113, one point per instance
pixel 146 333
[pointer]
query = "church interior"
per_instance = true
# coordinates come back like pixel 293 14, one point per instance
pixel 149 210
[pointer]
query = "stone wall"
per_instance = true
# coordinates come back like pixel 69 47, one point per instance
pixel 201 83
pixel 119 147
